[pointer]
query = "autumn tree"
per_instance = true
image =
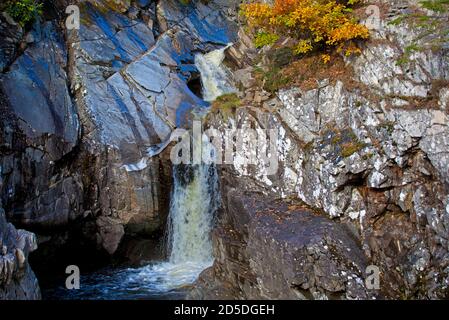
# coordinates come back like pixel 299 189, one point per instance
pixel 313 24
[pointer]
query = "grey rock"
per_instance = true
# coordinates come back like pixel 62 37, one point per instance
pixel 11 34
pixel 281 250
pixel 36 89
pixel 17 280
pixel 370 156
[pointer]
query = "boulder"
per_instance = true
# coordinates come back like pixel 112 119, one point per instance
pixel 17 280
pixel 269 249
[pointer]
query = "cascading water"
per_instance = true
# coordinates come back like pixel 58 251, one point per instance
pixel 215 77
pixel 192 210
pixel 191 214
pixel 194 202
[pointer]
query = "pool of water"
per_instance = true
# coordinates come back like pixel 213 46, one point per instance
pixel 163 280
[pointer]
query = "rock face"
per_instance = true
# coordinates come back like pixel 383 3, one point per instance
pixel 369 150
pixel 41 127
pixel 83 111
pixel 17 280
pixel 130 79
pixel 86 114
pixel 281 250
pixel 11 33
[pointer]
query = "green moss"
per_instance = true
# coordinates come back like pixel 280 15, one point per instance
pixel 344 143
pixel 431 28
pixel 351 144
pixel 272 80
pixel 24 11
pixel 226 104
pixel 408 51
pixel 348 149
pixel 439 6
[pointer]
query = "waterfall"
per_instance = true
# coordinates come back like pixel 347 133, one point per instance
pixel 193 205
pixel 192 211
pixel 195 195
pixel 215 77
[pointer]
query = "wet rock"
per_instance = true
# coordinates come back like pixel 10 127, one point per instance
pixel 76 144
pixel 78 118
pixel 11 33
pixel 111 232
pixel 139 252
pixel 39 130
pixel 30 87
pixel 130 84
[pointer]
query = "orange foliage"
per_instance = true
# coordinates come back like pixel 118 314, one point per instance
pixel 312 23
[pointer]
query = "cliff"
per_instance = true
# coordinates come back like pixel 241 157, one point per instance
pixel 363 141
pixel 362 146
pixel 83 110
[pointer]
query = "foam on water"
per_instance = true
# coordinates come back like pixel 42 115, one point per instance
pixel 191 215
pixel 215 77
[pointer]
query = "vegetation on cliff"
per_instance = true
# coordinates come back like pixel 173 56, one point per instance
pixel 24 11
pixel 433 26
pixel 312 25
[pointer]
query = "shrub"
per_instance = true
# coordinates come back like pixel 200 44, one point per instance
pixel 272 79
pixel 226 104
pixel 313 24
pixel 263 39
pixel 24 11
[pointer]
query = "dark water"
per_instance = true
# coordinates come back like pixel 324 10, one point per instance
pixel 158 281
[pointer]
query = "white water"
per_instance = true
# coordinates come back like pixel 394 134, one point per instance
pixel 194 200
pixel 215 77
pixel 192 209
pixel 191 215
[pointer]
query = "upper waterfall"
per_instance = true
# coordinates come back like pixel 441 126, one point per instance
pixel 215 77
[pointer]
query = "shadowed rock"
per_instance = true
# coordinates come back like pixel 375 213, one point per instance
pixel 268 249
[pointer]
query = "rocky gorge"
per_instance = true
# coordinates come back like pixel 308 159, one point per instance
pixel 85 140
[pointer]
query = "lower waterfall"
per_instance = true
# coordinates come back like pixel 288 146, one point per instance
pixel 194 202
pixel 192 211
